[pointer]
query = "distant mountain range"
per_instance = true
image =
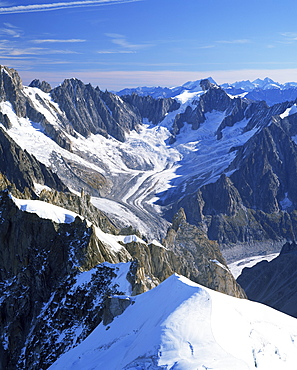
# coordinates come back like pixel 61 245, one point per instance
pixel 267 90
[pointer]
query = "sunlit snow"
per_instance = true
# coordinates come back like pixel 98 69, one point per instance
pixel 45 210
pixel 182 325
pixel 289 111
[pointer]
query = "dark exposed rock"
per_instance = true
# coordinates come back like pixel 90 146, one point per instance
pixel 39 260
pixel 5 120
pixel 274 283
pixel 260 114
pixel 206 84
pixel 205 264
pixel 23 169
pixel 154 110
pixel 114 306
pixel 221 197
pixel 11 90
pixel 90 111
pixel 44 86
pixel 267 170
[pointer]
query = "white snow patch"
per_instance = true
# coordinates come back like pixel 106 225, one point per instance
pixel 38 188
pixel 219 264
pixel 188 96
pixel 289 111
pixel 242 95
pixel 126 239
pixel 237 267
pixel 108 239
pixel 45 210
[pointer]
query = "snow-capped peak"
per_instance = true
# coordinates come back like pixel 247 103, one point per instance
pixel 195 85
pixel 182 325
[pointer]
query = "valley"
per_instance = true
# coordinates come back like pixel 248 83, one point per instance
pixel 105 196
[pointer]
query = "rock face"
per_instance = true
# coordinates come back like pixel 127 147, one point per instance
pixel 23 169
pixel 90 111
pixel 42 85
pixel 41 299
pixel 11 90
pixel 205 264
pixel 274 283
pixel 154 110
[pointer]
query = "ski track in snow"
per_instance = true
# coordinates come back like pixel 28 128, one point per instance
pixel 195 159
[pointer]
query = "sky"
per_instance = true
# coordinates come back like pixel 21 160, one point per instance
pixel 115 44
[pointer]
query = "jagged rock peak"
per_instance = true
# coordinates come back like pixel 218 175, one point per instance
pixel 90 111
pixel 12 74
pixel 178 218
pixel 42 85
pixel 11 90
pixel 206 84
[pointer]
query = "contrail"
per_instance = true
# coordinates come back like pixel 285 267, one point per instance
pixel 58 6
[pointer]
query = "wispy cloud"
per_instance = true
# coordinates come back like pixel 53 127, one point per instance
pixel 6 50
pixel 122 41
pixel 123 45
pixel 56 41
pixel 240 41
pixel 11 30
pixel 289 36
pixel 116 52
pixel 206 47
pixel 59 6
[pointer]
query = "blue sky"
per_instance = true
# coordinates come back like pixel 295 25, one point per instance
pixel 124 43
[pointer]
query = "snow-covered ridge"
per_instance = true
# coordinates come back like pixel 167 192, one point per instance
pixel 45 210
pixel 265 84
pixel 182 325
pixel 61 215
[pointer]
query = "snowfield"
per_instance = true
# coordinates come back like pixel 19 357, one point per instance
pixel 182 325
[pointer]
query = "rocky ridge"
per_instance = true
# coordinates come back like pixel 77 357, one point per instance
pixel 273 283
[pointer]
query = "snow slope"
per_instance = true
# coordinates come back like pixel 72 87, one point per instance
pixel 182 325
pixel 61 215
